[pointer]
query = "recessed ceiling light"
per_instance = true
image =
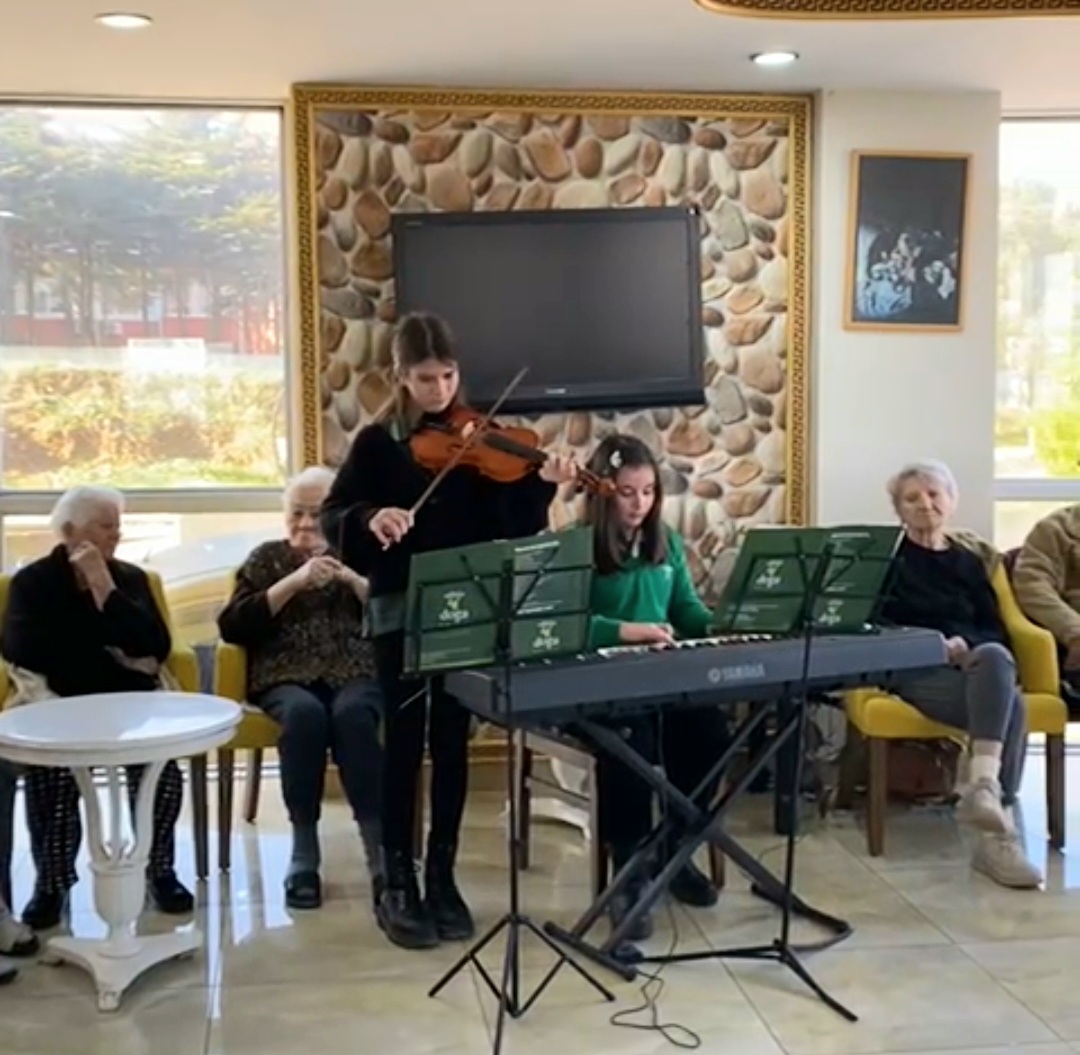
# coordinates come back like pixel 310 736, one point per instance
pixel 774 58
pixel 123 20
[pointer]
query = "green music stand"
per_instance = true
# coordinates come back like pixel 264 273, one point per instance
pixel 497 602
pixel 848 568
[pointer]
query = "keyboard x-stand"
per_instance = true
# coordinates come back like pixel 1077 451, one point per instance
pixel 693 824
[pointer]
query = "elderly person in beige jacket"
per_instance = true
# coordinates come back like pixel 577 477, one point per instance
pixel 1047 584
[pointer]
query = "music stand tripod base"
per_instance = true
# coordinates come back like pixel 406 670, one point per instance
pixel 780 950
pixel 507 991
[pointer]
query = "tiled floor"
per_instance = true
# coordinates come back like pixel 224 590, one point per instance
pixel 941 961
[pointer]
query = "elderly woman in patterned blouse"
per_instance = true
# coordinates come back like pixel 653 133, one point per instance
pixel 299 614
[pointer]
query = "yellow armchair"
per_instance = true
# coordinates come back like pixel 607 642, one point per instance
pixel 181 662
pixel 256 732
pixel 881 717
pixel 1034 647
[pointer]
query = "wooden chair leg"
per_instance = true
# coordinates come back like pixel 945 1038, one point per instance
pixel 254 781
pixel 8 784
pixel 418 817
pixel 226 770
pixel 1055 790
pixel 877 794
pixel 717 866
pixel 200 815
pixel 599 866
pixel 524 805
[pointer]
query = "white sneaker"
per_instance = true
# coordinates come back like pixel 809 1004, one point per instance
pixel 980 806
pixel 16 939
pixel 1002 859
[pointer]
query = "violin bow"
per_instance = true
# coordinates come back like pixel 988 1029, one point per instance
pixel 470 441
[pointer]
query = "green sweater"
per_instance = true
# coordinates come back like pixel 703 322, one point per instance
pixel 648 593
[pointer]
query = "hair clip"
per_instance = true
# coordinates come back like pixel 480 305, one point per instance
pixel 615 461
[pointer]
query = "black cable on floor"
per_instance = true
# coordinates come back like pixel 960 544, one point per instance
pixel 674 1033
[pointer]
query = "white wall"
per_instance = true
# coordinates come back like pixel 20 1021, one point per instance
pixel 881 399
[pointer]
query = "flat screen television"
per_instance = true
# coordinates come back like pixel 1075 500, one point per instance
pixel 602 305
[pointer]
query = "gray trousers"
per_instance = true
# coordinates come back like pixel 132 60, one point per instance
pixel 982 698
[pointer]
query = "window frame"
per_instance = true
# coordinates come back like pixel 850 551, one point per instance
pixel 1039 488
pixel 196 500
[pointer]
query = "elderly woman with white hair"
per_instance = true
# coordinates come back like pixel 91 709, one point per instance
pixel 299 613
pixel 81 622
pixel 943 582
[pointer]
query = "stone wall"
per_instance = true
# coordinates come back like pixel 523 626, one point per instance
pixel 727 465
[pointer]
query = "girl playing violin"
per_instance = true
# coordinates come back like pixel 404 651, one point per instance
pixel 369 511
pixel 642 594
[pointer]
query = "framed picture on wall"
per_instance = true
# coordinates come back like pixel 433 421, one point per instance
pixel 905 256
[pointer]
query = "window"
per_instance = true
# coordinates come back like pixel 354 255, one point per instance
pixel 1037 434
pixel 141 298
pixel 143 327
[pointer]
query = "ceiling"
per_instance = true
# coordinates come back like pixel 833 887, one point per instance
pixel 252 50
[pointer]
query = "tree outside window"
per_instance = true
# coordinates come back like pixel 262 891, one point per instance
pixel 142 304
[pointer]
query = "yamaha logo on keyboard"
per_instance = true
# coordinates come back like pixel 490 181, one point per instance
pixel 739 672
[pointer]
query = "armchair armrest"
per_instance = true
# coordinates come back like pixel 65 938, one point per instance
pixel 230 672
pixel 183 664
pixel 1034 648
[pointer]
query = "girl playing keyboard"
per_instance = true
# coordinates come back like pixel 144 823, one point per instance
pixel 642 594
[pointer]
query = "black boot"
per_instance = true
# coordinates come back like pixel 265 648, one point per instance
pixel 44 909
pixel 400 912
pixel 692 887
pixel 446 906
pixel 625 900
pixel 169 895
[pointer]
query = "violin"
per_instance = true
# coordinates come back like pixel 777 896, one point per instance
pixel 504 453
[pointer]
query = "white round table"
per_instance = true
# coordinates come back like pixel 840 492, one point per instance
pixel 109 732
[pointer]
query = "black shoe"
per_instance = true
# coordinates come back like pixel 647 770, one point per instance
pixel 303 890
pixel 445 905
pixel 692 887
pixel 620 907
pixel 762 783
pixel 8 975
pixel 169 895
pixel 400 912
pixel 44 909
pixel 378 888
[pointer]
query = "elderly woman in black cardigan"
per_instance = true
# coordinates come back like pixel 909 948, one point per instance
pixel 299 613
pixel 81 622
pixel 943 582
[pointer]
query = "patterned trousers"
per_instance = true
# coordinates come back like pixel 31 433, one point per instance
pixel 55 827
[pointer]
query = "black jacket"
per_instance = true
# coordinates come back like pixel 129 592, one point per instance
pixel 379 471
pixel 53 627
pixel 946 590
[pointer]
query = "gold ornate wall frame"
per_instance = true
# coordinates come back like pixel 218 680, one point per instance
pixel 359 153
pixel 890 10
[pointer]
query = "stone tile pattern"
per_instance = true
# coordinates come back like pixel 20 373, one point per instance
pixel 725 464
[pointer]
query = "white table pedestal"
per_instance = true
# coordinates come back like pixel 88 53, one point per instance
pixel 119 869
pixel 108 733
